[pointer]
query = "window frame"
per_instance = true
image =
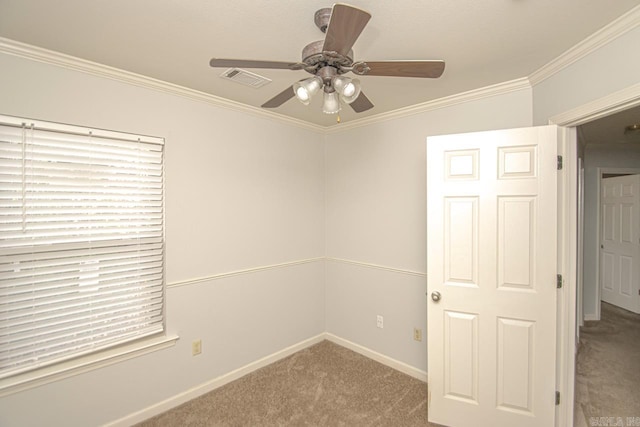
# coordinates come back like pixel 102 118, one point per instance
pixel 116 352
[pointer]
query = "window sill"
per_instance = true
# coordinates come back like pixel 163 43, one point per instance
pixel 84 364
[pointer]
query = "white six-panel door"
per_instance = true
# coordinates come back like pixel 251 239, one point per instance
pixel 620 241
pixel 491 257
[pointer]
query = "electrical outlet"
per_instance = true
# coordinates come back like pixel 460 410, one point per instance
pixel 196 347
pixel 417 334
pixel 380 322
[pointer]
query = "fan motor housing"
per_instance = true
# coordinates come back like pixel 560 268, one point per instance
pixel 314 57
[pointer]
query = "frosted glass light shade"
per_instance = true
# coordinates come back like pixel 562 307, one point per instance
pixel 305 89
pixel 331 104
pixel 348 88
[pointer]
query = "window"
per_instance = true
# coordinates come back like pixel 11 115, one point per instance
pixel 81 241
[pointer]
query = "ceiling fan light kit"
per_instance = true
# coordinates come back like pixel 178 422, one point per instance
pixel 327 60
pixel 337 89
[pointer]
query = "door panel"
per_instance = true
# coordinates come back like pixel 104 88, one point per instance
pixel 491 254
pixel 461 240
pixel 515 365
pixel 516 237
pixel 620 241
pixel 607 271
pixel 461 356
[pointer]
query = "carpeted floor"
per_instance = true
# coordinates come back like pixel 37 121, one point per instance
pixel 323 385
pixel 608 370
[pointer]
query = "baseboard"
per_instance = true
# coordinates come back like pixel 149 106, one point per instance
pixel 379 357
pixel 589 317
pixel 213 384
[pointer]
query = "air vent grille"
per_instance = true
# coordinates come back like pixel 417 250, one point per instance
pixel 245 77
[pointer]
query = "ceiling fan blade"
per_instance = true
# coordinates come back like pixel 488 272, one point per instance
pixel 426 69
pixel 361 103
pixel 249 63
pixel 280 98
pixel 345 26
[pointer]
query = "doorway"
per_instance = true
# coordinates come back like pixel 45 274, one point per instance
pixel 604 149
pixel 619 235
pixel 567 304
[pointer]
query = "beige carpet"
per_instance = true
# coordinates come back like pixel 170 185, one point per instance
pixel 608 370
pixel 323 385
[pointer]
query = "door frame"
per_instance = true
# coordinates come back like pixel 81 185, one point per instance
pixel 566 302
pixel 580 254
pixel 601 171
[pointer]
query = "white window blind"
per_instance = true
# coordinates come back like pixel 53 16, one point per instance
pixel 81 241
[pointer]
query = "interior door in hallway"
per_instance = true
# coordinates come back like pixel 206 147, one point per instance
pixel 620 241
pixel 491 269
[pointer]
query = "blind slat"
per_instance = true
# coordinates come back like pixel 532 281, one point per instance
pixel 31 334
pixel 88 343
pixel 101 274
pixel 73 255
pixel 78 238
pixel 49 251
pixel 59 266
pixel 23 323
pixel 85 344
pixel 56 307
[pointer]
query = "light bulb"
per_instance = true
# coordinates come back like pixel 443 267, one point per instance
pixel 302 94
pixel 349 89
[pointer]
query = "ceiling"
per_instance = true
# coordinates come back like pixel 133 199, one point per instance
pixel 483 42
pixel 611 129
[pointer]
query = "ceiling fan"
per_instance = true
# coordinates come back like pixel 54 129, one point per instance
pixel 327 60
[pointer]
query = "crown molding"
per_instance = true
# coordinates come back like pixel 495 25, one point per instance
pixel 23 50
pixel 606 34
pixel 448 101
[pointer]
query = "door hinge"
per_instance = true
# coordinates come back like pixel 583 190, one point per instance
pixel 559 281
pixel 560 163
pixel 557 397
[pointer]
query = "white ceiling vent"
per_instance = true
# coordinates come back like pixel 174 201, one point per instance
pixel 245 77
